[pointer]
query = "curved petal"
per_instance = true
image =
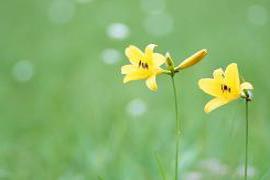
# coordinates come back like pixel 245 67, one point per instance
pixel 218 74
pixel 134 54
pixel 213 104
pixel 158 59
pixel 149 50
pixel 210 86
pixel 151 83
pixel 136 75
pixel 246 85
pixel 232 78
pixel 128 69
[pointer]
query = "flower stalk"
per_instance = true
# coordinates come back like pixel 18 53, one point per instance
pixel 172 70
pixel 177 128
pixel 246 140
pixel 247 95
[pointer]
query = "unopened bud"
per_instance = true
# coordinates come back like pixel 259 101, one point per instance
pixel 247 94
pixel 195 58
pixel 169 62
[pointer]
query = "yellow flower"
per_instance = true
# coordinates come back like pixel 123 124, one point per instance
pixel 143 65
pixel 225 87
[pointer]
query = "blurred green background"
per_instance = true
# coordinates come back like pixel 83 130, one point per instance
pixel 66 115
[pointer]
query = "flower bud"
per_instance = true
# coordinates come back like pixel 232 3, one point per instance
pixel 195 58
pixel 247 94
pixel 169 62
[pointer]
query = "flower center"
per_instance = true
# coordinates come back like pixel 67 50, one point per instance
pixel 143 65
pixel 225 88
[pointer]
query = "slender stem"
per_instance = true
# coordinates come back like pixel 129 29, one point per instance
pixel 177 129
pixel 246 145
pixel 160 166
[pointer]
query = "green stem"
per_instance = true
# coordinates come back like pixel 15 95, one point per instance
pixel 246 145
pixel 177 129
pixel 160 166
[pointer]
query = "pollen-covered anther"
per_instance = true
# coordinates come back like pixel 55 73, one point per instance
pixel 143 65
pixel 225 88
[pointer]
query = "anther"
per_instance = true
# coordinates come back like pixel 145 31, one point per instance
pixel 146 65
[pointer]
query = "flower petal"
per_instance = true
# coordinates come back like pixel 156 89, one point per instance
pixel 134 54
pixel 158 59
pixel 214 103
pixel 136 75
pixel 151 83
pixel 210 86
pixel 246 85
pixel 128 69
pixel 232 78
pixel 149 49
pixel 218 75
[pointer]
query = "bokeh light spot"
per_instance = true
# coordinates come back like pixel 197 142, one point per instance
pixel 136 107
pixel 214 166
pixel 23 71
pixel 118 31
pixel 193 176
pixel 257 15
pixel 110 56
pixel 250 171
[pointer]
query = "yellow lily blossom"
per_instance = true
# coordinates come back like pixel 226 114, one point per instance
pixel 225 87
pixel 143 65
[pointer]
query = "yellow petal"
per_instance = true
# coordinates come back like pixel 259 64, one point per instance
pixel 210 86
pixel 232 78
pixel 214 103
pixel 149 51
pixel 246 85
pixel 128 69
pixel 134 54
pixel 195 58
pixel 158 59
pixel 136 75
pixel 151 83
pixel 218 75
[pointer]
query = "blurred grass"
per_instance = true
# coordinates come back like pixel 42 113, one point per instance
pixel 69 121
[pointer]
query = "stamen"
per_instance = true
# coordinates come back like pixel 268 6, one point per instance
pixel 143 65
pixel 140 63
pixel 146 65
pixel 225 88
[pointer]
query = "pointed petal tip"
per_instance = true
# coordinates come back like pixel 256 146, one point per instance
pixel 232 64
pixel 150 47
pixel 151 83
pixel 204 51
pixel 125 80
pixel 206 111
